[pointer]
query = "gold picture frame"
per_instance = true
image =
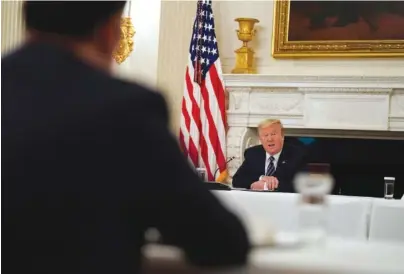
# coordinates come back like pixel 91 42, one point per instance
pixel 283 48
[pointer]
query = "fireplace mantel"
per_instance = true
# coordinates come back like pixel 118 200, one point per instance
pixel 262 80
pixel 342 104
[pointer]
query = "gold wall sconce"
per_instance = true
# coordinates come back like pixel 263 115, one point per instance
pixel 126 42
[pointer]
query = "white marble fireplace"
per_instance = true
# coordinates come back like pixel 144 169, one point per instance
pixel 370 107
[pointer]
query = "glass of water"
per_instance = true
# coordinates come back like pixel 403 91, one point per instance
pixel 201 172
pixel 312 206
pixel 389 187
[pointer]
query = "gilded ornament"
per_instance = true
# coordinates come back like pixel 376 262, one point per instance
pixel 245 55
pixel 126 43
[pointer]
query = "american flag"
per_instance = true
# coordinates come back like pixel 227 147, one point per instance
pixel 203 119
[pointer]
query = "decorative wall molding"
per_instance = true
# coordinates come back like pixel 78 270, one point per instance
pixel 261 80
pixel 346 90
pixel 331 106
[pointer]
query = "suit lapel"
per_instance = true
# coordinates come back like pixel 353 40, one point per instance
pixel 262 159
pixel 282 162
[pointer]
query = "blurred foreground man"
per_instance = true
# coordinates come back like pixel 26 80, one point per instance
pixel 271 165
pixel 88 162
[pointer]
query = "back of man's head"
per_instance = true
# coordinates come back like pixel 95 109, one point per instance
pixel 75 19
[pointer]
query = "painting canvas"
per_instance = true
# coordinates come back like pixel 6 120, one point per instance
pixel 338 28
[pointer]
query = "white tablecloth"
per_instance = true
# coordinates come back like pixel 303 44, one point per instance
pixel 347 217
pixel 336 256
pixel 387 221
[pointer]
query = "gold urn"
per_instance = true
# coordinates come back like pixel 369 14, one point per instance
pixel 245 55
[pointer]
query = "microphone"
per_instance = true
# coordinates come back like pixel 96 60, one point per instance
pixel 228 161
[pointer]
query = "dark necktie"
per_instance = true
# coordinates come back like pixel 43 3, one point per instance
pixel 271 167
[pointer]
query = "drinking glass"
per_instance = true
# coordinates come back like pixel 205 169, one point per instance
pixel 389 187
pixel 312 215
pixel 201 173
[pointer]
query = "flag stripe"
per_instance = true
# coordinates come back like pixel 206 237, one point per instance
pixel 216 108
pixel 217 84
pixel 195 125
pixel 184 132
pixel 196 134
pixel 206 132
pixel 213 136
pixel 191 148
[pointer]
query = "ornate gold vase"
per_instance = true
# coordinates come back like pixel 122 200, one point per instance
pixel 245 55
pixel 126 43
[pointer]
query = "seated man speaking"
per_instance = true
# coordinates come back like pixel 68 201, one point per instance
pixel 272 165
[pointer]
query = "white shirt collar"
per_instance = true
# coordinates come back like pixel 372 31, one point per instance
pixel 276 156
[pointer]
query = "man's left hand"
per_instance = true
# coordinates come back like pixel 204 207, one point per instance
pixel 272 182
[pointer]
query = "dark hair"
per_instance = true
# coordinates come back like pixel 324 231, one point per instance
pixel 69 18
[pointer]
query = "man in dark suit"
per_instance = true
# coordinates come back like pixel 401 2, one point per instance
pixel 88 163
pixel 272 165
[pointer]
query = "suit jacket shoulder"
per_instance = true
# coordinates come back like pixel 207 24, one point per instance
pixel 293 150
pixel 254 150
pixel 77 81
pixel 146 100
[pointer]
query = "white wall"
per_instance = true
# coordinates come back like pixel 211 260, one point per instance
pixel 225 13
pixel 175 36
pixel 141 65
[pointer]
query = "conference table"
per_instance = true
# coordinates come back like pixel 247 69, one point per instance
pixel 334 256
pixel 364 235
pixel 348 217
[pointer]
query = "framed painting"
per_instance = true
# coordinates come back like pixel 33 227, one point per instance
pixel 338 29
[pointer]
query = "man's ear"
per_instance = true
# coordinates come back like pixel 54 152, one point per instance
pixel 108 34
